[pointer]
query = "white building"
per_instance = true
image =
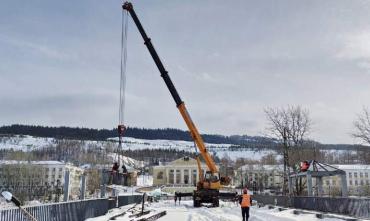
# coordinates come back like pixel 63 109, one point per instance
pixel 182 171
pixel 260 176
pixel 39 174
pixel 358 180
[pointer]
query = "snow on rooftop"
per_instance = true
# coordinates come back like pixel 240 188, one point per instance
pixel 46 162
pixel 278 167
pixel 352 166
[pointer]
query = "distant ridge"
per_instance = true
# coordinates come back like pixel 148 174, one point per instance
pixel 141 133
pixel 79 133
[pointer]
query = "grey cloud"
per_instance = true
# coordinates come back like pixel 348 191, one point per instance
pixel 60 65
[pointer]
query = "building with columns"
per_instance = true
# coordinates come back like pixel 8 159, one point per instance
pixel 183 171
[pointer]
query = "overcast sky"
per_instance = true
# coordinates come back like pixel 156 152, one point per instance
pixel 60 63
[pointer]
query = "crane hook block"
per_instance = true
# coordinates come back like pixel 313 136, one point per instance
pixel 127 6
pixel 121 129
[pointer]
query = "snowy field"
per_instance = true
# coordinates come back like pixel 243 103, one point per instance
pixel 28 143
pixel 226 212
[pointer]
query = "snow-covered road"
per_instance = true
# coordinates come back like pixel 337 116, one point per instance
pixel 226 212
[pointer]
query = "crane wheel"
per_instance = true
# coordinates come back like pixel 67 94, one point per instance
pixel 197 203
pixel 216 203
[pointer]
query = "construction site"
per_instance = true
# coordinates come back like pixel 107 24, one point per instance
pixel 280 175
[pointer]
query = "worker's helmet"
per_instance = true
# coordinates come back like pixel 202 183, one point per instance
pixel 245 190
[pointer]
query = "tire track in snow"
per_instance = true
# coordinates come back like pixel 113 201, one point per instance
pixel 220 215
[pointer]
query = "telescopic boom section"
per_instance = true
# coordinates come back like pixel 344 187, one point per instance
pixel 171 87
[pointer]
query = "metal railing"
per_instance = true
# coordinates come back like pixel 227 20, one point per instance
pixel 355 207
pixel 69 211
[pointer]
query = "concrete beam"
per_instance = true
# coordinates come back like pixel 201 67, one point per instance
pixel 344 185
pixel 66 186
pixel 83 187
pixel 309 185
pixel 319 185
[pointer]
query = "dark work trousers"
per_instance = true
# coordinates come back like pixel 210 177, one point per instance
pixel 245 213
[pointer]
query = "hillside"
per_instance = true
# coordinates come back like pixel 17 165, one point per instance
pixel 77 133
pixel 133 132
pixel 28 143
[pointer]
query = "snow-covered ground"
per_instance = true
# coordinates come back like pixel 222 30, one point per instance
pixel 226 212
pixel 9 205
pixel 220 149
pixel 28 143
pixel 122 190
pixel 144 180
pixel 25 143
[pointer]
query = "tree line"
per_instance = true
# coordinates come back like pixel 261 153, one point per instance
pixel 79 133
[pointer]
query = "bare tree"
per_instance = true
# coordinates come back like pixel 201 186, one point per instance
pixel 362 126
pixel 290 126
pixel 269 159
pixel 362 132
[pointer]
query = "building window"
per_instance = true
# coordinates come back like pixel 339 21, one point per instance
pixel 355 174
pixel 327 182
pixel 178 176
pixel 160 175
pixel 366 175
pixel 186 176
pixel 46 176
pixel 367 182
pixel 350 175
pixel 334 182
pixel 361 175
pixel 60 169
pixel 170 177
pixel 356 183
pixel 350 183
pixel 362 182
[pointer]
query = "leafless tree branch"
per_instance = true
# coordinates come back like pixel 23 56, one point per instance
pixel 362 126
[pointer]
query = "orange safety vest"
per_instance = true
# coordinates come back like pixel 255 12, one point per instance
pixel 246 200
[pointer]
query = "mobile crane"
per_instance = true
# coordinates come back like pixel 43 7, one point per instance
pixel 208 187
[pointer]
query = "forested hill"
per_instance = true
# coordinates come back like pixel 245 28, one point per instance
pixel 239 141
pixel 141 133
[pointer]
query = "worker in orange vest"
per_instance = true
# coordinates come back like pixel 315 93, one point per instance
pixel 245 202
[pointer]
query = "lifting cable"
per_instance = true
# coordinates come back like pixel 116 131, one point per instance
pixel 121 126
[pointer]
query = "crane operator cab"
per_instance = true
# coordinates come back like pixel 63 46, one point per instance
pixel 211 181
pixel 214 181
